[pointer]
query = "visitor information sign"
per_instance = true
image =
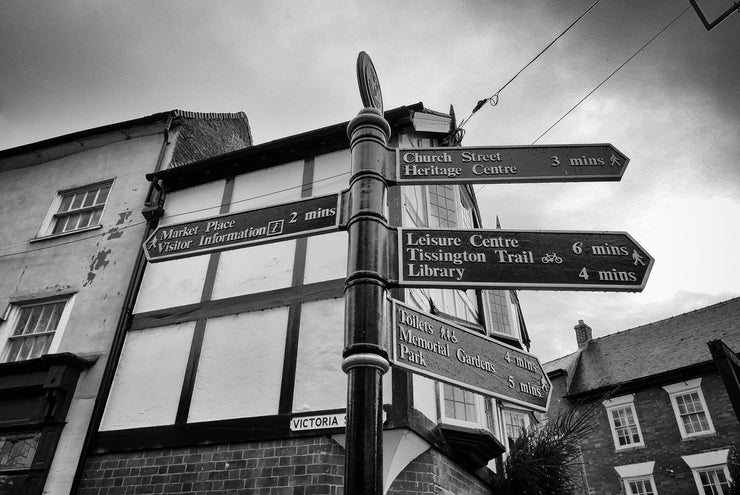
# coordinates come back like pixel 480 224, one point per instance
pixel 246 228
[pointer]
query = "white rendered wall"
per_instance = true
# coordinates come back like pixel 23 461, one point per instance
pixel 271 186
pixel 320 382
pixel 148 381
pixel 178 282
pixel 254 269
pixel 425 398
pixel 331 173
pixel 326 257
pixel 241 365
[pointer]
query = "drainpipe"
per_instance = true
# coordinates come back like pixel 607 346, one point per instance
pixel 124 320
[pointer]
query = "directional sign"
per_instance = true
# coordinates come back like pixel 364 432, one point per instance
pixel 450 353
pixel 549 163
pixel 477 258
pixel 246 228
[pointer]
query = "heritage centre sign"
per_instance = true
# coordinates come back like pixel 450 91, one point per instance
pixel 246 228
pixel 560 260
pixel 444 351
pixel 548 163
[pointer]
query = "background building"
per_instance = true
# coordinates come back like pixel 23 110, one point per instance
pixel 241 350
pixel 71 230
pixel 665 419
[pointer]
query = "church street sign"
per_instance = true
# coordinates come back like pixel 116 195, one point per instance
pixel 481 259
pixel 547 163
pixel 442 350
pixel 245 228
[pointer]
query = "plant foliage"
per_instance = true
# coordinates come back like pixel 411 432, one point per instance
pixel 545 460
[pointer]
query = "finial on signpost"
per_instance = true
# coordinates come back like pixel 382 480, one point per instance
pixel 367 80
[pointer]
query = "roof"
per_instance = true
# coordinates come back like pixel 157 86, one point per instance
pixel 654 349
pixel 232 130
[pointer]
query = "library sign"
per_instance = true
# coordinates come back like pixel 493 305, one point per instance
pixel 477 258
pixel 444 351
pixel 246 228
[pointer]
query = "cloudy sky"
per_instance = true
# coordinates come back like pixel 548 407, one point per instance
pixel 674 109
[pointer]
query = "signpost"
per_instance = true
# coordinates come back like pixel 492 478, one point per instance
pixel 450 353
pixel 246 228
pixel 477 258
pixel 549 163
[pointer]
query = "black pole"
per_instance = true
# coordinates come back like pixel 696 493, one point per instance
pixel 365 355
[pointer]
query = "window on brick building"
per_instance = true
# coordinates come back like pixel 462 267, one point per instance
pixel 624 424
pixel 638 478
pixel 690 408
pixel 515 422
pixel 710 472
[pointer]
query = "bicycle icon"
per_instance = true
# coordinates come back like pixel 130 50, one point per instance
pixel 552 258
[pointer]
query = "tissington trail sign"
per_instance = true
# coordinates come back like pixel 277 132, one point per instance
pixel 477 258
pixel 547 163
pixel 439 349
pixel 246 228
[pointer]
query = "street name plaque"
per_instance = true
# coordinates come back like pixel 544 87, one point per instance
pixel 481 259
pixel 246 228
pixel 547 163
pixel 442 350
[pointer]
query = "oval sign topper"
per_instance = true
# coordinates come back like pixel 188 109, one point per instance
pixel 367 79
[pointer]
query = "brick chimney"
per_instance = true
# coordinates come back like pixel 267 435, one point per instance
pixel 583 334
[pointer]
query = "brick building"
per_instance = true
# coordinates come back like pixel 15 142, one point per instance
pixel 229 378
pixel 70 235
pixel 665 417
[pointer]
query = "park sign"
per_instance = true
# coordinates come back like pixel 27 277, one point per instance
pixel 546 163
pixel 442 350
pixel 488 259
pixel 246 228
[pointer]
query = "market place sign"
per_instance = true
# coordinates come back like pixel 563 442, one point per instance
pixel 484 259
pixel 247 228
pixel 444 351
pixel 484 165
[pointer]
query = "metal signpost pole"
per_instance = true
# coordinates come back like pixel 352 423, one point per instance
pixel 365 356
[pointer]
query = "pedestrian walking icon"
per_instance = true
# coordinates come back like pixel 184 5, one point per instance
pixel 637 258
pixel 614 160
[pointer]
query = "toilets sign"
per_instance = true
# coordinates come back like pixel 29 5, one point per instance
pixel 507 259
pixel 549 163
pixel 442 350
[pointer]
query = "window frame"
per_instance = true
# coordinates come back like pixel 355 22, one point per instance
pixel 684 388
pixel 623 402
pixel 630 473
pixel 479 404
pixel 510 409
pixel 706 461
pixel 46 231
pixel 14 310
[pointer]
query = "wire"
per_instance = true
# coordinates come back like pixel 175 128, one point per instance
pixel 493 99
pixel 610 75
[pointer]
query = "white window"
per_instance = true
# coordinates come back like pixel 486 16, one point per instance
pixel 76 209
pixel 640 486
pixel 33 329
pixel 465 408
pixel 710 472
pixel 638 478
pixel 503 313
pixel 690 408
pixel 515 422
pixel 624 423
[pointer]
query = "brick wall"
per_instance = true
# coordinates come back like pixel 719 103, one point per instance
pixel 299 466
pixel 433 474
pixel 282 467
pixel 663 443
